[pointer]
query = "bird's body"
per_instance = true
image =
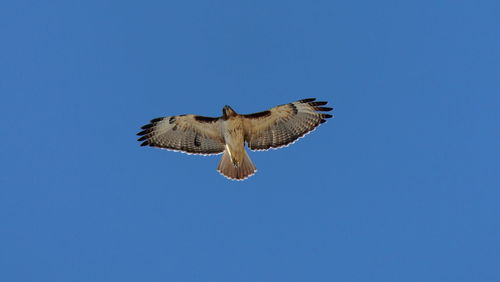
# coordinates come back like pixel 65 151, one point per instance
pixel 274 128
pixel 235 162
pixel 234 133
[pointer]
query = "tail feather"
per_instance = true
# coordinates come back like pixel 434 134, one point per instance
pixel 244 170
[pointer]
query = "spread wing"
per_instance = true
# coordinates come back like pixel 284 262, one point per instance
pixel 282 125
pixel 191 134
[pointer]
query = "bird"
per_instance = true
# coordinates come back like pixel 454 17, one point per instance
pixel 274 128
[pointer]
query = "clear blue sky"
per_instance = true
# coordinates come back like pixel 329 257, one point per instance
pixel 402 185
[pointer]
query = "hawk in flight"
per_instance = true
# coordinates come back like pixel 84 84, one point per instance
pixel 275 128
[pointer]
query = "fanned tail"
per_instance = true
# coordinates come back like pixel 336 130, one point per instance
pixel 241 172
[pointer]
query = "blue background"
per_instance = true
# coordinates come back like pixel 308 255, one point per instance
pixel 402 185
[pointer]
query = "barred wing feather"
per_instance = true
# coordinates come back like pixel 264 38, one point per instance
pixel 282 125
pixel 191 134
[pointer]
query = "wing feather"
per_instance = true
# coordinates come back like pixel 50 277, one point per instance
pixel 190 134
pixel 284 124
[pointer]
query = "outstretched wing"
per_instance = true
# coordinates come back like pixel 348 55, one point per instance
pixel 282 125
pixel 191 134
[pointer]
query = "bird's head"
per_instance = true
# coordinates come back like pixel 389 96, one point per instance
pixel 228 112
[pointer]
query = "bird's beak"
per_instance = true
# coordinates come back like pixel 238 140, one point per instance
pixel 228 111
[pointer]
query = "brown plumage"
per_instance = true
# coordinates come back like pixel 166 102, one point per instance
pixel 275 128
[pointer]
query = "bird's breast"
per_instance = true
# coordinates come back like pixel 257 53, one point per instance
pixel 234 139
pixel 233 131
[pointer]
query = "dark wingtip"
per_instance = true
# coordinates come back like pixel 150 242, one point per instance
pixel 318 103
pixel 326 116
pixel 322 121
pixel 323 109
pixel 143 138
pixel 143 132
pixel 307 100
pixel 156 120
pixel 145 143
pixel 149 125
